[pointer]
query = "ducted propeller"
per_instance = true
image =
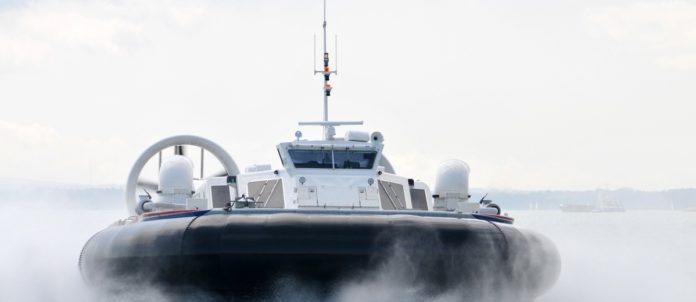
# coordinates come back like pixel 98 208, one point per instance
pixel 153 185
pixel 177 165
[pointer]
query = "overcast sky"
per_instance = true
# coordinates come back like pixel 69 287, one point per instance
pixel 532 94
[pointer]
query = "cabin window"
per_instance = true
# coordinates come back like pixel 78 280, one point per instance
pixel 318 159
pixel 349 159
pixel 336 159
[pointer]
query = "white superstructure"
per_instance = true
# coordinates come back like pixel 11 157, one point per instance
pixel 349 172
pixel 338 173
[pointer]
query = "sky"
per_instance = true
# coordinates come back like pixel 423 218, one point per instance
pixel 534 95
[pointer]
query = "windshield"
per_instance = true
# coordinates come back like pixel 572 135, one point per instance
pixel 337 159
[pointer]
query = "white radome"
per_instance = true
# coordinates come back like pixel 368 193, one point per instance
pixel 176 175
pixel 452 179
pixel 452 187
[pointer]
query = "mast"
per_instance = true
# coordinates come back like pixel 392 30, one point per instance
pixel 326 71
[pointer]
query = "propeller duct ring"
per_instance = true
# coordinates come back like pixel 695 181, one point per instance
pixel 225 159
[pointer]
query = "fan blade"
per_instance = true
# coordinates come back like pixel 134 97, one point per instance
pixel 180 150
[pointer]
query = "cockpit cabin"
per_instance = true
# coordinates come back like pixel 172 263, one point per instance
pixel 348 172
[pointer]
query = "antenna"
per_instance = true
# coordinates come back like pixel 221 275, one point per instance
pixel 329 130
pixel 326 71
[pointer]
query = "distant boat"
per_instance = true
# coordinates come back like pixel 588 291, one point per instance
pixel 610 206
pixel 604 205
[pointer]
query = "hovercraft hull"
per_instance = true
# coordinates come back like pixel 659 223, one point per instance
pixel 242 252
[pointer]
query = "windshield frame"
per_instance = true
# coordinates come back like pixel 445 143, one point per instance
pixel 327 158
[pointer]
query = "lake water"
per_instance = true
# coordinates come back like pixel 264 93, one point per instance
pixel 632 256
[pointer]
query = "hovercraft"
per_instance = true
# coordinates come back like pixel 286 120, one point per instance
pixel 336 210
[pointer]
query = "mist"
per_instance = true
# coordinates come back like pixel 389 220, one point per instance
pixel 632 256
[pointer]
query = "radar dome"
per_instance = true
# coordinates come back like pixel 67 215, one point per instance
pixel 452 180
pixel 176 175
